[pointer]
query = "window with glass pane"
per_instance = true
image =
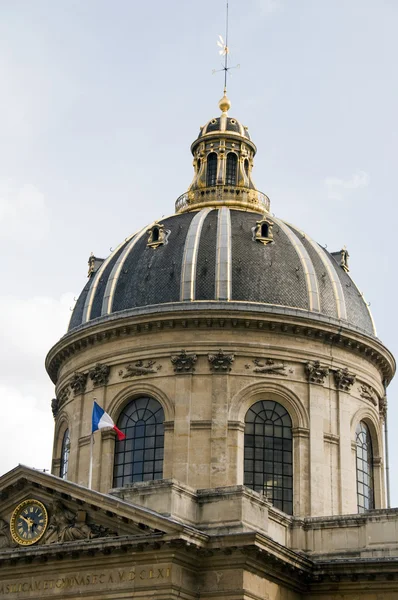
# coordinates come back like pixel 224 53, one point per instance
pixel 232 165
pixel 211 177
pixel 65 450
pixel 268 467
pixel 139 457
pixel 364 457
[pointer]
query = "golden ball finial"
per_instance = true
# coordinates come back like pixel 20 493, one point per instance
pixel 225 103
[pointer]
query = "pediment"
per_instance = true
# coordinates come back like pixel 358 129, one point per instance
pixel 74 513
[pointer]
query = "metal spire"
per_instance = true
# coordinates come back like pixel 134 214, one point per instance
pixel 224 51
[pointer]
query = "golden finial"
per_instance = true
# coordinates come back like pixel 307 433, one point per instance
pixel 225 103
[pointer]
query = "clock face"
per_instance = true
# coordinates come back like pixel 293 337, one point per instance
pixel 28 522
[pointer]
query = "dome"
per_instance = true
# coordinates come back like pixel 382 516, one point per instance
pixel 226 257
pixel 221 125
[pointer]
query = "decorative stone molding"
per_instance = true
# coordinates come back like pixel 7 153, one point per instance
pixel 343 379
pixel 221 362
pixel 368 393
pixel 139 368
pixel 63 395
pixel 99 374
pixel 269 366
pixel 66 526
pixel 315 372
pixel 183 362
pixel 78 383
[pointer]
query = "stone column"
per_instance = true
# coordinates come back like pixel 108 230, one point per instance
pixel 182 425
pixel 219 430
pixel 317 460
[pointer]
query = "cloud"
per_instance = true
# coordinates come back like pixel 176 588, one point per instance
pixel 337 188
pixel 23 212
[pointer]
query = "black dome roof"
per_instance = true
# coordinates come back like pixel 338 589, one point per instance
pixel 212 255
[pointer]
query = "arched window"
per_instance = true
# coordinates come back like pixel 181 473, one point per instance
pixel 140 456
pixel 232 164
pixel 155 234
pixel 211 177
pixel 268 459
pixel 65 450
pixel 264 230
pixel 247 166
pixel 364 453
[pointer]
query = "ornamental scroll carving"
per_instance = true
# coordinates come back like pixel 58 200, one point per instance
pixel 383 407
pixel 343 379
pixel 55 407
pixel 66 526
pixel 183 362
pixel 99 374
pixel 315 372
pixel 78 383
pixel 368 393
pixel 140 368
pixel 221 362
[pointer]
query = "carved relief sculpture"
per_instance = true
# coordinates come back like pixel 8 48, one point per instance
pixel 139 368
pixel 66 526
pixel 99 374
pixel 383 407
pixel 221 362
pixel 315 372
pixel 343 379
pixel 5 541
pixel 368 393
pixel 78 383
pixel 268 366
pixel 183 362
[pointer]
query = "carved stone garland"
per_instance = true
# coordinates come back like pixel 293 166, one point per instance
pixel 221 362
pixel 99 374
pixel 78 383
pixel 315 372
pixel 183 362
pixel 343 379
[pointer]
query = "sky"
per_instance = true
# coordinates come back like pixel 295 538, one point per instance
pixel 100 101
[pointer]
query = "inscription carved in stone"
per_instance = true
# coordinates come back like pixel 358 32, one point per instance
pixel 315 372
pixel 183 362
pixel 221 362
pixel 343 379
pixel 140 368
pixel 99 374
pixel 78 383
pixel 368 393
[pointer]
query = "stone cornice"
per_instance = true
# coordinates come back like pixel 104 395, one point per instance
pixel 283 321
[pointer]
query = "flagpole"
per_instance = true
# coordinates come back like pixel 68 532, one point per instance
pixel 90 472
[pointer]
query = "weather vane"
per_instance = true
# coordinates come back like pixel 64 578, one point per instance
pixel 224 51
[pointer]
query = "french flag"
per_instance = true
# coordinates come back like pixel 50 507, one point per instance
pixel 101 420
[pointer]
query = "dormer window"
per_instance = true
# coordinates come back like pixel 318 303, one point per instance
pixel 211 176
pixel 157 235
pixel 262 232
pixel 232 164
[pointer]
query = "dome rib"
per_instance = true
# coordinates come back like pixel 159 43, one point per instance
pixel 189 261
pixel 114 276
pixel 331 271
pixel 308 267
pixel 223 255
